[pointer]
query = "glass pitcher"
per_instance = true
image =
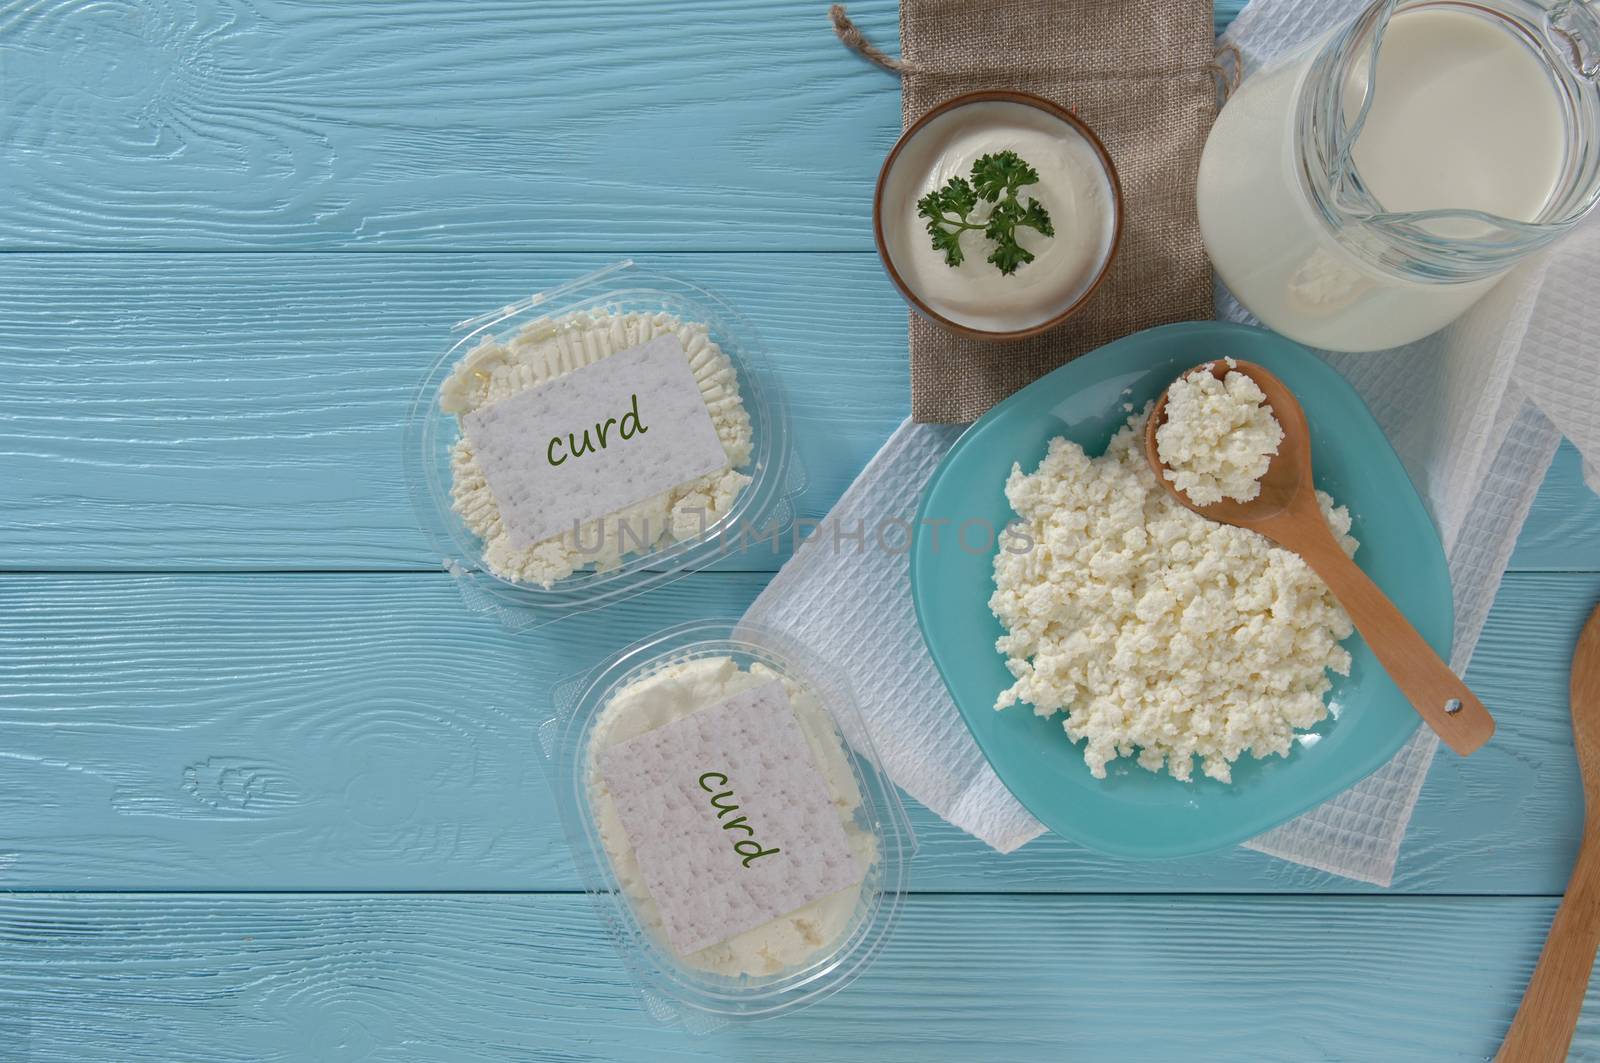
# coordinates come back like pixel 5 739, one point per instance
pixel 1368 189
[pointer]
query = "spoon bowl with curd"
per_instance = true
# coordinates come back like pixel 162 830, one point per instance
pixel 1285 510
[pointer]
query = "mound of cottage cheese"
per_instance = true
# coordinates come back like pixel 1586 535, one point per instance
pixel 1219 436
pixel 677 690
pixel 553 347
pixel 1161 634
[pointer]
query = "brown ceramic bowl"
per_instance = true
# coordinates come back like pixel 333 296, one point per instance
pixel 1055 111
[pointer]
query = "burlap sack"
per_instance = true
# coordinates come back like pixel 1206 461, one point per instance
pixel 1141 73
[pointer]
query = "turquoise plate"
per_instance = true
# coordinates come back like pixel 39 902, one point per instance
pixel 1134 812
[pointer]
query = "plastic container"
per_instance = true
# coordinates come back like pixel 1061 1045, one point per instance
pixel 676 990
pixel 763 508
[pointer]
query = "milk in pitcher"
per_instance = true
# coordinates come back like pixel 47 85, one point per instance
pixel 1462 154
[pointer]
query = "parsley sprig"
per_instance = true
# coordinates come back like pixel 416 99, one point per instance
pixel 996 179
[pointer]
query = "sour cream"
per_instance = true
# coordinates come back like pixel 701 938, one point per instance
pixel 1075 185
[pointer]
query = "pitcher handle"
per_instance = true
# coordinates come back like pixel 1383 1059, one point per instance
pixel 1573 26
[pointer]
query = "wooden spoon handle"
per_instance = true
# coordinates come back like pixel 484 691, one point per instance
pixel 1437 693
pixel 1542 1029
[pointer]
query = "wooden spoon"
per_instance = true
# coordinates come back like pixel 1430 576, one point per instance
pixel 1286 512
pixel 1543 1027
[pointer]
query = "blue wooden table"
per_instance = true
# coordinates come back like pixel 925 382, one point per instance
pixel 267 792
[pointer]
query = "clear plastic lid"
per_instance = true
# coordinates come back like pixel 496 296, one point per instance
pixel 796 958
pixel 528 343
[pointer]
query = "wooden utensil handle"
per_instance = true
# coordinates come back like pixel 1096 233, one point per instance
pixel 1542 1029
pixel 1437 693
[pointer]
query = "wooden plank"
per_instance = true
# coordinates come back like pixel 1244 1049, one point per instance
pixel 628 125
pixel 246 411
pixel 1563 529
pixel 363 732
pixel 209 412
pixel 125 979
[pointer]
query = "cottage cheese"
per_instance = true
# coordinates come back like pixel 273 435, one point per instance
pixel 1158 632
pixel 676 691
pixel 1219 436
pixel 550 348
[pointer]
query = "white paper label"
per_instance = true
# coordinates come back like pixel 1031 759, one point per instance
pixel 729 817
pixel 619 431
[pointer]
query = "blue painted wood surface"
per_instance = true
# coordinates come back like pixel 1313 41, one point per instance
pixel 267 792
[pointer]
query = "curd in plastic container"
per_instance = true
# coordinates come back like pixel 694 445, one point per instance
pixel 800 955
pixel 534 342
